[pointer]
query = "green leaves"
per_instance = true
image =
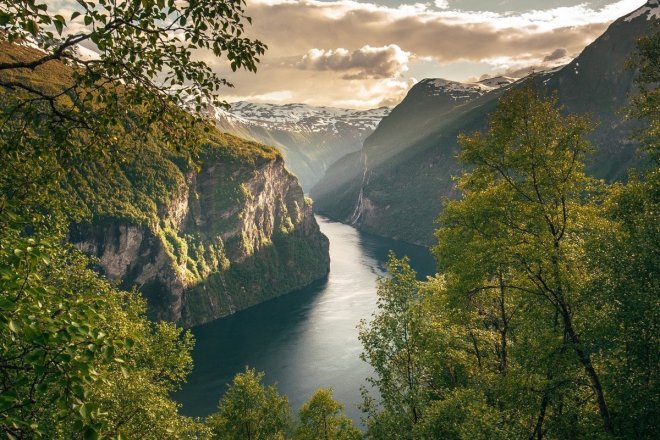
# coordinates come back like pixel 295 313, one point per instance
pixel 392 343
pixel 13 326
pixel 76 354
pixel 514 242
pixel 158 39
pixel 540 318
pixel 59 23
pixel 321 417
pixel 31 26
pixel 71 344
pixel 250 410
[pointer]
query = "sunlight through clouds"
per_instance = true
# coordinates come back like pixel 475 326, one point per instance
pixel 322 45
pixel 329 52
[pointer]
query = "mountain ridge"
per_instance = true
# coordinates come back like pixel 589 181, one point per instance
pixel 408 163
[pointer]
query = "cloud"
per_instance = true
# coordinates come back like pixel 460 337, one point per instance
pixel 445 35
pixel 524 64
pixel 364 63
pixel 359 54
pixel 556 54
pixel 318 88
pixel 347 52
pixel 278 97
pixel 385 92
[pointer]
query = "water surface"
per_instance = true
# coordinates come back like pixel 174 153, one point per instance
pixel 304 340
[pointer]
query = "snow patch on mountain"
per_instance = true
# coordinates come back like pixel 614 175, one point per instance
pixel 498 81
pixel 300 117
pixel 651 9
pixel 458 91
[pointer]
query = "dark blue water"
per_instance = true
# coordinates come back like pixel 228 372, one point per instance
pixel 304 340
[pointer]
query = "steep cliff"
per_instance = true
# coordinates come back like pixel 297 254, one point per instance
pixel 233 232
pixel 203 223
pixel 395 185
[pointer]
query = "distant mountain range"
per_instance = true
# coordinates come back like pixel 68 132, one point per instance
pixel 310 138
pixel 394 185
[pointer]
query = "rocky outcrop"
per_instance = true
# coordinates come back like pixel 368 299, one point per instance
pixel 236 233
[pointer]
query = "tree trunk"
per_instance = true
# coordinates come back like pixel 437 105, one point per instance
pixel 505 328
pixel 538 429
pixel 585 360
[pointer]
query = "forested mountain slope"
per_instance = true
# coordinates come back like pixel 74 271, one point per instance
pixel 200 235
pixel 394 185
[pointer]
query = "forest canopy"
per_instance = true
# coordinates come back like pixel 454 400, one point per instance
pixel 79 358
pixel 543 320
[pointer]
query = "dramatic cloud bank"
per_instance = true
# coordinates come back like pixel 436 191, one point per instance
pixel 361 54
pixel 357 54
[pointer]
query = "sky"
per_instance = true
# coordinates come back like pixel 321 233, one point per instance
pixel 368 53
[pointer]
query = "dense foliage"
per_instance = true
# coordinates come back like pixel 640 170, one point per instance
pixel 150 46
pixel 250 410
pixel 253 411
pixel 543 321
pixel 321 418
pixel 78 357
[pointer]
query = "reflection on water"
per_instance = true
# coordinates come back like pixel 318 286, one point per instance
pixel 304 340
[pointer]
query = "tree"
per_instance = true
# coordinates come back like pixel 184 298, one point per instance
pixel 625 263
pixel 250 410
pixel 98 108
pixel 625 259
pixel 391 345
pixel 143 48
pixel 321 418
pixel 543 320
pixel 519 230
pixel 79 358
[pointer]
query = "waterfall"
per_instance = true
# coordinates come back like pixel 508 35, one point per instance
pixel 357 212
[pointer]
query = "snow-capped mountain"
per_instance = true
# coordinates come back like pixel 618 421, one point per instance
pixel 310 138
pixel 651 10
pixel 458 91
pixel 304 118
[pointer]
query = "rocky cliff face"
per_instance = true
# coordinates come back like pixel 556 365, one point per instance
pixel 234 233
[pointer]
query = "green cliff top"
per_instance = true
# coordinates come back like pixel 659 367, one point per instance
pixel 147 162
